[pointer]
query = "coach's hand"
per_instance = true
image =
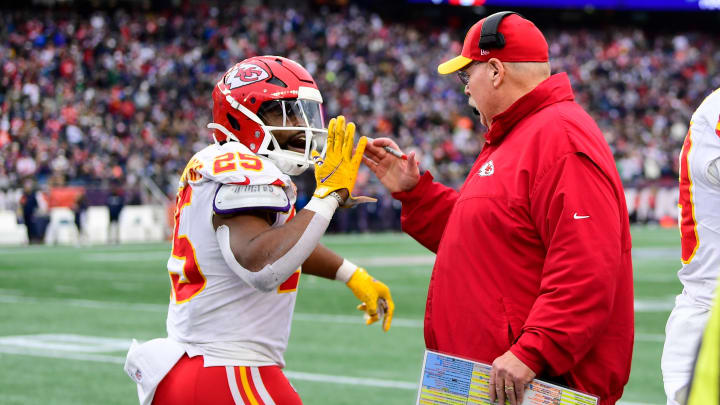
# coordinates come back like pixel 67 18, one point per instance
pixel 338 169
pixel 375 296
pixel 508 378
pixel 394 173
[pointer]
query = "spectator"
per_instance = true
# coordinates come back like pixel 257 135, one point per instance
pixel 115 204
pixel 29 207
pixel 79 209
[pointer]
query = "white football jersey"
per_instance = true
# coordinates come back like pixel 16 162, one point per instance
pixel 212 310
pixel 700 202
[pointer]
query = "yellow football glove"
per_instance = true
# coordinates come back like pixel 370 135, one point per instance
pixel 338 170
pixel 375 296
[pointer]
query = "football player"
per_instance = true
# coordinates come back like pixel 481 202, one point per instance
pixel 700 246
pixel 239 245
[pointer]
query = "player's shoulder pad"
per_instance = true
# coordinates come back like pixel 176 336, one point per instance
pixel 235 199
pixel 234 163
pixel 705 117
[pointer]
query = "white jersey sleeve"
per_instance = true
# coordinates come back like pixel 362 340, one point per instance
pixel 699 201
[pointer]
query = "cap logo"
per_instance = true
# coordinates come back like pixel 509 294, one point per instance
pixel 244 74
pixel 484 52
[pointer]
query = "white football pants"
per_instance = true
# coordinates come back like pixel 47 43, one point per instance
pixel 683 333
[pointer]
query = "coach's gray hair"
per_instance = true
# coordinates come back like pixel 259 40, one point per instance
pixel 529 69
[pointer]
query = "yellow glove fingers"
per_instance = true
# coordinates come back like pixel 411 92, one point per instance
pixel 339 135
pixel 388 314
pixel 348 142
pixel 359 151
pixel 371 319
pixel 315 156
pixel 371 306
pixel 331 135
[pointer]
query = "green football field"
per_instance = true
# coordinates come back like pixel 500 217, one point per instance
pixel 67 316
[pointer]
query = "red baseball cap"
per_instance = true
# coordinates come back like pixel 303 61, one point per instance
pixel 523 43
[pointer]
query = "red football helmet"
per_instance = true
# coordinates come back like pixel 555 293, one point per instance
pixel 263 94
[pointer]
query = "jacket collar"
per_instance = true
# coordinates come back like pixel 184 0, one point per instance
pixel 554 89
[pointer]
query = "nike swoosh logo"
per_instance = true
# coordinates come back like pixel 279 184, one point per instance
pixel 576 216
pixel 245 181
pixel 331 173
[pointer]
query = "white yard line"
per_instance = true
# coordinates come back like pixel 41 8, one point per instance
pixel 650 337
pixel 23 346
pixel 634 403
pixel 293 375
pixel 339 379
pixel 327 318
pixel 386 261
pixel 644 306
pixel 641 305
pixel 655 305
pixel 17 299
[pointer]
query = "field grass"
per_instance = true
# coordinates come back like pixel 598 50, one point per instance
pixel 57 302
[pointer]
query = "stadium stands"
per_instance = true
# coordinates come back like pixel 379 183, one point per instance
pixel 88 99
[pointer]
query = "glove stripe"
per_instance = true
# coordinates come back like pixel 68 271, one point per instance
pixel 332 172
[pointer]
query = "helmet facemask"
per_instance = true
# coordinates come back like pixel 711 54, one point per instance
pixel 293 129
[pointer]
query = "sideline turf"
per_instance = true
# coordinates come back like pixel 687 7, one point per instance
pixel 57 290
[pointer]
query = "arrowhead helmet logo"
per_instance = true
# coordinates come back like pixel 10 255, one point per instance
pixel 487 169
pixel 244 74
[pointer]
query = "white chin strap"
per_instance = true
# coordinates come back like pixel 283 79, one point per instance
pixel 222 129
pixel 287 166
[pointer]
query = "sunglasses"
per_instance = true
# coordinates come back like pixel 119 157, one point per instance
pixel 463 74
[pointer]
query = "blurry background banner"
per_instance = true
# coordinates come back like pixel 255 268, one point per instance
pixel 649 5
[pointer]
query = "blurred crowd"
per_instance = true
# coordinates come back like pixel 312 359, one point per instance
pixel 117 96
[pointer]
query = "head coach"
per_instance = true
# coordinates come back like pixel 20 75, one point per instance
pixel 533 270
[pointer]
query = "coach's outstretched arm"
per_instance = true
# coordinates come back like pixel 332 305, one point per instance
pixel 266 256
pixel 426 205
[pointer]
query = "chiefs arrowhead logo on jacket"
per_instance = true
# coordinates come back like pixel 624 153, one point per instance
pixel 487 169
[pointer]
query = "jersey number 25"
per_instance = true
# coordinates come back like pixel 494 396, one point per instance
pixel 186 277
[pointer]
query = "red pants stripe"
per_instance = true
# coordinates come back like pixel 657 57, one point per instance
pixel 189 383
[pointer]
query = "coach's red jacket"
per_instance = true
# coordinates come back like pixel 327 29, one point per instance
pixel 533 253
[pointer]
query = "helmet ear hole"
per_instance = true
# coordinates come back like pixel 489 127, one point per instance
pixel 233 122
pixel 274 80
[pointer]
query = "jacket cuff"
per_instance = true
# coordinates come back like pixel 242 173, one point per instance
pixel 417 191
pixel 526 349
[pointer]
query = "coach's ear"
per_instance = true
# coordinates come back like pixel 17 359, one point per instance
pixel 496 72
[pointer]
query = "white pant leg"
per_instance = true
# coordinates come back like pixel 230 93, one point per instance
pixel 683 332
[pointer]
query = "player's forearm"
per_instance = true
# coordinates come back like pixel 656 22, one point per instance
pixel 266 268
pixel 322 262
pixel 271 244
